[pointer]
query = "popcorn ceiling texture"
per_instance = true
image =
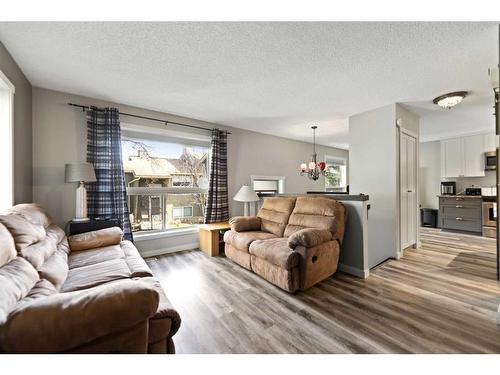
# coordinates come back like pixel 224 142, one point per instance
pixel 275 78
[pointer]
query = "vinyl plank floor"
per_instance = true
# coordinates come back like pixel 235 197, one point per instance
pixel 440 298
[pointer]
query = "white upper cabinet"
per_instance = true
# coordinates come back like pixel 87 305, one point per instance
pixel 474 155
pixel 489 142
pixel 463 157
pixel 452 164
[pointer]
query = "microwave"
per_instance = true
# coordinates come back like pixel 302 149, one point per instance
pixel 490 161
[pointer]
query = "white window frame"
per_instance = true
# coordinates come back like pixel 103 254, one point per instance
pixel 7 91
pixel 330 159
pixel 167 136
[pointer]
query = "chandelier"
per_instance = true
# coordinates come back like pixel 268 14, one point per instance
pixel 313 169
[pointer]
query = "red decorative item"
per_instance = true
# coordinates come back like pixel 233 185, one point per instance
pixel 322 165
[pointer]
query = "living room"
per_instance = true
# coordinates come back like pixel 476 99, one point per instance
pixel 239 188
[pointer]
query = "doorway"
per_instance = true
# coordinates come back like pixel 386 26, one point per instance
pixel 408 188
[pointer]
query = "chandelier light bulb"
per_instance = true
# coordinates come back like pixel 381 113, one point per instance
pixel 312 165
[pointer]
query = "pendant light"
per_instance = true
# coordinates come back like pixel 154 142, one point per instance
pixel 313 170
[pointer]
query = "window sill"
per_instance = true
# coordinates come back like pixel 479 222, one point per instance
pixel 166 234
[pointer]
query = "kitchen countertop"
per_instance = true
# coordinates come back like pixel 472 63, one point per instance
pixel 463 196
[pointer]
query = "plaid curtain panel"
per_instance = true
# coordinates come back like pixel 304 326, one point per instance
pixel 107 198
pixel 217 201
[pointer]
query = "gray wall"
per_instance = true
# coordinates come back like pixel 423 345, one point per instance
pixel 373 171
pixel 59 137
pixel 22 127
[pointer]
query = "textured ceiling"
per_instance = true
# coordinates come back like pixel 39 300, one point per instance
pixel 276 78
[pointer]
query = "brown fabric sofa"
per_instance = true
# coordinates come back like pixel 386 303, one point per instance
pixel 91 293
pixel 293 242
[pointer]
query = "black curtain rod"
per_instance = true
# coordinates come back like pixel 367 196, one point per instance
pixel 166 122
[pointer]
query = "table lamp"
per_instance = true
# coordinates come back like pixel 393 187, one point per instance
pixel 80 172
pixel 247 195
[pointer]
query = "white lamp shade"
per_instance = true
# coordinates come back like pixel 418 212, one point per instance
pixel 79 172
pixel 246 194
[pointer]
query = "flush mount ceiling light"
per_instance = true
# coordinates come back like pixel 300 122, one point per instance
pixel 451 99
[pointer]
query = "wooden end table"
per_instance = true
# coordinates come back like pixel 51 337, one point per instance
pixel 211 238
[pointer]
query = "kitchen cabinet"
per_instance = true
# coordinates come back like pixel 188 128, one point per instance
pixel 489 142
pixel 463 157
pixel 451 158
pixel 462 213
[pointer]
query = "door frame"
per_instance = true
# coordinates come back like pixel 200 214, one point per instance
pixel 400 132
pixel 9 89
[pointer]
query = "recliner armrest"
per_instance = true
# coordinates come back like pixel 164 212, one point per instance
pixel 95 239
pixel 309 237
pixel 245 223
pixel 64 321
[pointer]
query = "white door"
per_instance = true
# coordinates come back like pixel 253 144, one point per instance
pixel 408 190
pixel 473 155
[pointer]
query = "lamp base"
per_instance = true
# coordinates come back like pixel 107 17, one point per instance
pixel 81 203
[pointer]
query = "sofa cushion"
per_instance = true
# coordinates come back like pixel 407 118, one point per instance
pixel 80 317
pixel 16 280
pixel 32 212
pixel 95 239
pixel 309 237
pixel 137 265
pixel 25 233
pixel 87 257
pixel 96 274
pixel 55 269
pixel 242 240
pixel 274 214
pixel 38 252
pixel 7 246
pixel 245 223
pixel 317 212
pixel 275 251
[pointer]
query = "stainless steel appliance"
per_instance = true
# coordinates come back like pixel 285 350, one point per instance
pixel 472 191
pixel 490 161
pixel 448 188
pixel 490 219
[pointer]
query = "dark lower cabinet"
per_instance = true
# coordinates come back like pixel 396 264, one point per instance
pixel 461 214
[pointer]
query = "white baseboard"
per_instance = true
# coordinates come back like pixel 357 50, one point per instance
pixel 169 250
pixel 358 272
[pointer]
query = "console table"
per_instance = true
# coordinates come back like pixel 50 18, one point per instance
pixel 211 237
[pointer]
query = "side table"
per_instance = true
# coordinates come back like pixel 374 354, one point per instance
pixel 211 237
pixel 77 227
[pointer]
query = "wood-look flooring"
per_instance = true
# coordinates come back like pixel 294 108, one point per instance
pixel 440 298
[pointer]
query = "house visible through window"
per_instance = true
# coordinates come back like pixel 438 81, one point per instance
pixel 179 212
pixel 162 183
pixel 337 178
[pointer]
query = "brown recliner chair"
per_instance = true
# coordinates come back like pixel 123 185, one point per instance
pixel 293 243
pixel 91 294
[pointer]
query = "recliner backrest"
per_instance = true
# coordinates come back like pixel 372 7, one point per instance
pixel 319 213
pixel 274 214
pixel 39 241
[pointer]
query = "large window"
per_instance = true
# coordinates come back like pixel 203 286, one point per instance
pixel 337 178
pixel 166 183
pixel 6 149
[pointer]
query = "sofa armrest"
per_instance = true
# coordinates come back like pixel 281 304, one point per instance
pixel 65 321
pixel 245 223
pixel 309 237
pixel 95 239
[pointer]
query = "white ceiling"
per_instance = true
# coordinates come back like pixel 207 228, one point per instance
pixel 275 78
